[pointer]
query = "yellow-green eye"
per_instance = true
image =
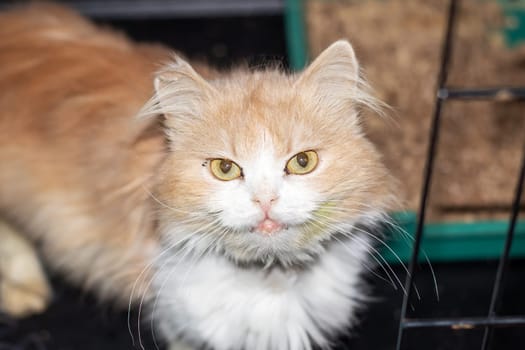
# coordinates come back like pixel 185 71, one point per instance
pixel 302 163
pixel 225 169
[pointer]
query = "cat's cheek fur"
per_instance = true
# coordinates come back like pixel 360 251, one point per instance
pixel 231 200
pixel 206 301
pixel 297 203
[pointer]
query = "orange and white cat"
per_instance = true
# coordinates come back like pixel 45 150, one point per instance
pixel 237 206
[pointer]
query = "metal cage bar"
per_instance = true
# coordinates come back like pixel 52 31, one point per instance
pixel 497 94
pixel 466 323
pixel 495 300
pixel 431 152
pixel 445 93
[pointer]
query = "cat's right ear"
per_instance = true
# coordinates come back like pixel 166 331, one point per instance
pixel 179 94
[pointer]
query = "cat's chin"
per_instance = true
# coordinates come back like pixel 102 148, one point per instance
pixel 270 260
pixel 293 245
pixel 282 247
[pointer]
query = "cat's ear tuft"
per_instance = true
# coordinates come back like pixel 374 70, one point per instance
pixel 179 94
pixel 332 80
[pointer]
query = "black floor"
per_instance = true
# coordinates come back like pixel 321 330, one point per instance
pixel 76 322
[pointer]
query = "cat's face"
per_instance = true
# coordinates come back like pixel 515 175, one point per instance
pixel 266 167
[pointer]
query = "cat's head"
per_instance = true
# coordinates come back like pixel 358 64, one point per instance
pixel 266 167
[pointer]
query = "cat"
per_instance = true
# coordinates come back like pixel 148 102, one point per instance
pixel 239 207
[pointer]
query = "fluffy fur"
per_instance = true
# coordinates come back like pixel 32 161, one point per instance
pixel 74 165
pixel 125 208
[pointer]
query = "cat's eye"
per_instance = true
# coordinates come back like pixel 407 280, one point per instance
pixel 225 169
pixel 302 163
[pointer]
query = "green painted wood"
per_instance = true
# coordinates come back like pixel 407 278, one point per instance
pixel 514 22
pixel 295 34
pixel 452 241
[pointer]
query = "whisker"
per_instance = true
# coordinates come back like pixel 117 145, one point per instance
pixel 161 267
pixel 391 251
pixel 408 237
pixel 389 280
pixel 387 220
pixel 192 263
pixel 165 205
pixel 340 230
pixel 149 266
pixel 180 329
pixel 146 269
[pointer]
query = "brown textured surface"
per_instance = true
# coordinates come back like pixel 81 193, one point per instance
pixel 398 43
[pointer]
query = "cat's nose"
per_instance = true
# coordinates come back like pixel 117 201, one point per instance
pixel 265 202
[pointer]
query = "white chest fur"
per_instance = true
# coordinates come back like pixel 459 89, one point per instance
pixel 212 301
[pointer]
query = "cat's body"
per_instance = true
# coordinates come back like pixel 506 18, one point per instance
pixel 73 162
pixel 244 213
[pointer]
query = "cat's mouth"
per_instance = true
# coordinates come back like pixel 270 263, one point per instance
pixel 269 227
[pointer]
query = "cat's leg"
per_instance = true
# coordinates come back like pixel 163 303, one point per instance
pixel 24 289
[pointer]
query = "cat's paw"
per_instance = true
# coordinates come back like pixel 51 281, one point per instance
pixel 24 289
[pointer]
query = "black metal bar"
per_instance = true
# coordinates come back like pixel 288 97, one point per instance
pixel 434 134
pixel 466 323
pixel 503 262
pixel 502 94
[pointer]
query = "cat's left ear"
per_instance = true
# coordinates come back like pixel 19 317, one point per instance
pixel 332 79
pixel 180 93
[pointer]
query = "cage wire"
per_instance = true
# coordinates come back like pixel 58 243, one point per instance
pixel 445 93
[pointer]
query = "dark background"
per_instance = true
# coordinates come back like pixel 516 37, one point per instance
pixel 223 42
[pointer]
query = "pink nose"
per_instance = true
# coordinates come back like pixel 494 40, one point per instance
pixel 268 226
pixel 265 203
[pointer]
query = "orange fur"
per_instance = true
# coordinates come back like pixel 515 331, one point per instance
pixel 73 163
